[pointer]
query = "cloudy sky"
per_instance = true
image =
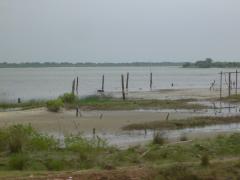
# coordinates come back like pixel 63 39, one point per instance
pixel 119 30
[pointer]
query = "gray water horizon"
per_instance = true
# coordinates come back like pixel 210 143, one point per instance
pixel 50 82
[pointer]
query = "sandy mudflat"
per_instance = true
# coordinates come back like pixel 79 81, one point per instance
pixel 67 122
pixel 173 94
pixel 111 121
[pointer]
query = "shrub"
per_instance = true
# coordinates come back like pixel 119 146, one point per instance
pixel 17 136
pixel 18 161
pixel 238 164
pixel 88 150
pixel 68 98
pixel 42 142
pixel 158 138
pixel 183 137
pixel 77 143
pixel 54 105
pixel 3 142
pixel 205 160
pixel 54 164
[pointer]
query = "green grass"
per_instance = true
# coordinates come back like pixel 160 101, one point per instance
pixel 41 153
pixel 183 123
pixel 108 103
pixel 233 98
pixel 105 103
pixel 24 105
pixel 216 171
pixel 55 105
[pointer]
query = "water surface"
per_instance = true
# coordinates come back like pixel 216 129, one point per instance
pixel 44 83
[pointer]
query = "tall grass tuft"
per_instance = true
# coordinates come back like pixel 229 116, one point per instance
pixel 17 136
pixel 205 160
pixel 18 161
pixel 54 105
pixel 158 138
pixel 68 98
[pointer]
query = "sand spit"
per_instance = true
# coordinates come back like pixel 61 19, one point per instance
pixel 66 122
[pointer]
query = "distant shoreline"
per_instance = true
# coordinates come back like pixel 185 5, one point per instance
pixel 209 63
pixel 52 64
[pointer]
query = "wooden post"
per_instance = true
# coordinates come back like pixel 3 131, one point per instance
pixel 77 110
pixel 103 83
pixel 127 81
pixel 123 92
pixel 236 81
pixel 77 86
pixel 229 84
pixel 73 86
pixel 150 81
pixel 167 116
pixel 94 132
pixel 221 73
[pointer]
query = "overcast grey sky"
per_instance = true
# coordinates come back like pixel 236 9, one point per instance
pixel 119 30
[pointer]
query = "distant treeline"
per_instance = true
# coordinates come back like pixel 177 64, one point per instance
pixel 66 64
pixel 208 63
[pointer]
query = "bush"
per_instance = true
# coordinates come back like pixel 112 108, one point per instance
pixel 88 150
pixel 18 161
pixel 77 143
pixel 17 136
pixel 3 142
pixel 54 164
pixel 183 137
pixel 205 160
pixel 42 143
pixel 54 105
pixel 158 138
pixel 68 98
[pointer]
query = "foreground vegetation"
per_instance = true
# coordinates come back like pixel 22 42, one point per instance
pixel 183 123
pixel 70 101
pixel 22 148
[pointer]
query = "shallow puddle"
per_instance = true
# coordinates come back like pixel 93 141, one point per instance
pixel 215 109
pixel 127 138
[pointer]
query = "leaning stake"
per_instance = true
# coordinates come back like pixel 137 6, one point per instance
pixel 123 92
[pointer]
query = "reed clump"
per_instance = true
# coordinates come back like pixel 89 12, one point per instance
pixel 183 123
pixel 54 105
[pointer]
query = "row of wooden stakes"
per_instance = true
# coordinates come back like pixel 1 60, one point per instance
pixel 75 85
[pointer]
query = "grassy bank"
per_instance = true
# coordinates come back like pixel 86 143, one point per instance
pixel 232 99
pixel 217 170
pixel 24 105
pixel 22 148
pixel 184 123
pixel 109 103
pixel 103 103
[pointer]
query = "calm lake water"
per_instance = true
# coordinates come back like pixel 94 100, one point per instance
pixel 44 83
